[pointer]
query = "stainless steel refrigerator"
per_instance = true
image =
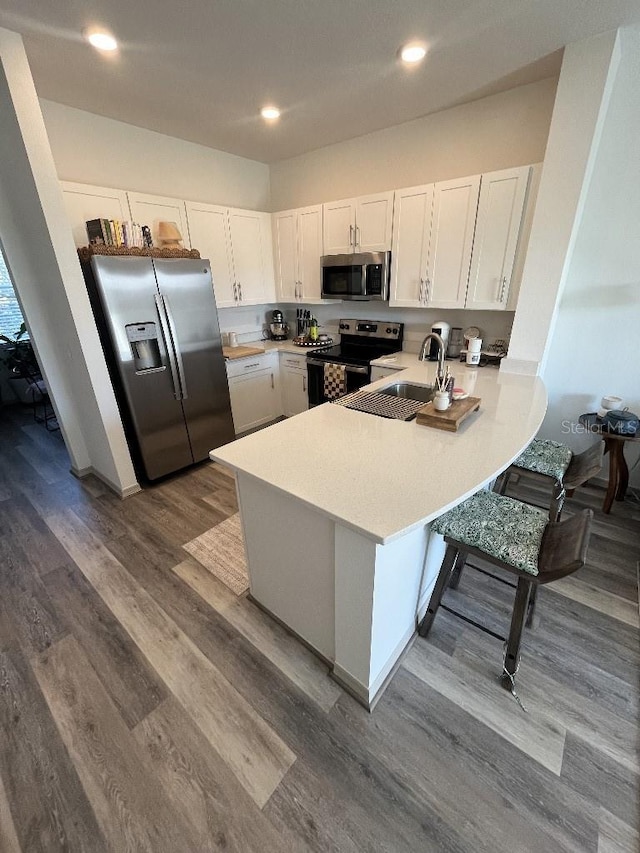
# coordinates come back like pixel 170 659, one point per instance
pixel 158 323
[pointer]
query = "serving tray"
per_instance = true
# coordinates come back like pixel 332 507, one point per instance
pixel 241 352
pixel 450 420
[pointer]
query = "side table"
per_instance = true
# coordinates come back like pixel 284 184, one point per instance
pixel 613 445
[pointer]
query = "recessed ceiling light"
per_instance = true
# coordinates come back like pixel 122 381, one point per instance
pixel 270 113
pixel 413 52
pixel 101 40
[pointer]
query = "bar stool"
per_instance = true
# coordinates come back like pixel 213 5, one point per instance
pixel 518 538
pixel 556 464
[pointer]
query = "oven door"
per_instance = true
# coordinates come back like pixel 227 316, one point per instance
pixel 342 279
pixel 356 377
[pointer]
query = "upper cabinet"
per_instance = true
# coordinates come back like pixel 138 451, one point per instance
pixel 209 234
pixel 297 237
pixel 85 202
pixel 432 241
pixel 450 242
pixel 151 209
pixel 238 245
pixel 361 224
pixel 410 249
pixel 500 209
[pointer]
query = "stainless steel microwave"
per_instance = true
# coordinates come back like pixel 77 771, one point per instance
pixel 359 276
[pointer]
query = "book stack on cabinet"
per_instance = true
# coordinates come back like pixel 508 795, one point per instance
pixel 114 232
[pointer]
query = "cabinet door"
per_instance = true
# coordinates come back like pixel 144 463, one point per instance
pixel 500 209
pixel 452 224
pixel 209 234
pixel 285 254
pixel 84 202
pixel 374 216
pixel 254 400
pixel 411 226
pixel 309 252
pixel 151 209
pixel 249 252
pixel 295 397
pixel 339 226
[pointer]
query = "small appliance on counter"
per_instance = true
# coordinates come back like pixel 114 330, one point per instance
pixel 456 342
pixel 443 329
pixel 278 329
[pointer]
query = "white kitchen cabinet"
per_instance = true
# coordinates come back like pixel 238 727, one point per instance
pixel 298 249
pixel 209 234
pixel 254 389
pixel 238 244
pixel 450 242
pixel 500 209
pixel 362 224
pixel 152 209
pixel 293 380
pixel 411 229
pixel 84 202
pixel 250 233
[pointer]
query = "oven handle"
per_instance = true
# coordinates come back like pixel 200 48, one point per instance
pixel 348 367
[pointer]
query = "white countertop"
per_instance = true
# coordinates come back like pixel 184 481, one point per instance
pixel 384 478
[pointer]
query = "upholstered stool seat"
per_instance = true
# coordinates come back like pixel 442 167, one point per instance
pixel 513 536
pixel 555 462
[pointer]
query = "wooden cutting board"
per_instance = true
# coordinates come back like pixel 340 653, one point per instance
pixel 452 418
pixel 241 352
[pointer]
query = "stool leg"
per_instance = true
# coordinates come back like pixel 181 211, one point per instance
pixel 557 502
pixel 512 655
pixel 436 596
pixel 531 621
pixel 456 572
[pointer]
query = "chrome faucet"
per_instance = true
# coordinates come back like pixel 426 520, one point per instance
pixel 434 336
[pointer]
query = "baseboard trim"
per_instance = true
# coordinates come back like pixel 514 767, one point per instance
pixel 81 473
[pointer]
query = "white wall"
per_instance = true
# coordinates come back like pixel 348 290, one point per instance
pixel 595 347
pixel 509 129
pixel 91 149
pixel 43 265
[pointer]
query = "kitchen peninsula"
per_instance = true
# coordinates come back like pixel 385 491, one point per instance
pixel 336 508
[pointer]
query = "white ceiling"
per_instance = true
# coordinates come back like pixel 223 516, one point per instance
pixel 200 70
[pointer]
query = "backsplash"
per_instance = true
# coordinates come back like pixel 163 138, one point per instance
pixel 249 322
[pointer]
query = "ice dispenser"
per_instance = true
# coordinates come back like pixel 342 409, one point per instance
pixel 143 338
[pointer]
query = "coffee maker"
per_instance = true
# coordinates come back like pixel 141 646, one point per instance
pixel 441 328
pixel 278 329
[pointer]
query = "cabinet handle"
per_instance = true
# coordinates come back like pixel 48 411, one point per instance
pixel 421 291
pixel 253 364
pixel 351 235
pixel 240 291
pixel 273 384
pixel 235 292
pixel 427 294
pixel 503 288
pixel 357 235
pixel 304 382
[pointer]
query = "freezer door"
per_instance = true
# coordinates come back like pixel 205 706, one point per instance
pixel 144 362
pixel 187 290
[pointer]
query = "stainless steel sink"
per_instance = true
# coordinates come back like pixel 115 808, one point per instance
pixel 407 391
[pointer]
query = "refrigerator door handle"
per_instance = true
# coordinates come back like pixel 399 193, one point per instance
pixel 176 347
pixel 166 335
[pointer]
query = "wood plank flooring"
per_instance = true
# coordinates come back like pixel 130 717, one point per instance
pixel 145 707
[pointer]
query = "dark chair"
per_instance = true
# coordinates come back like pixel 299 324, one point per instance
pixel 557 465
pixel 518 538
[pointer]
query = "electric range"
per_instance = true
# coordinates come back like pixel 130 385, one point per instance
pixel 361 342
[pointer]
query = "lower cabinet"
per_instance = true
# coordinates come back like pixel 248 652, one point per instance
pixel 254 389
pixel 293 377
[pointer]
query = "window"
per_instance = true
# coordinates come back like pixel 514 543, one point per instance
pixel 10 313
